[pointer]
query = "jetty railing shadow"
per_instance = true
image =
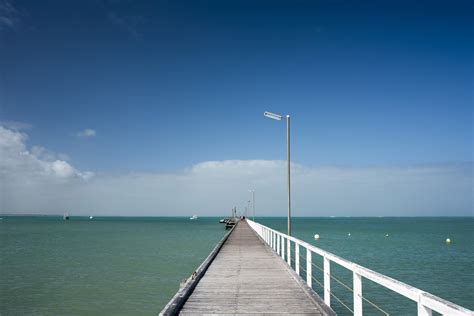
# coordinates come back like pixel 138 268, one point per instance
pixel 283 244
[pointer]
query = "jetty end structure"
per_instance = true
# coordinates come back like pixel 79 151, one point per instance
pixel 257 270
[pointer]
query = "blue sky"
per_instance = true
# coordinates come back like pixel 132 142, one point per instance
pixel 167 85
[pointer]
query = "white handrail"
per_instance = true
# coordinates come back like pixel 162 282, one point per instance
pixel 426 302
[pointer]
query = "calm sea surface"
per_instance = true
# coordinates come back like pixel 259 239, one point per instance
pixel 133 266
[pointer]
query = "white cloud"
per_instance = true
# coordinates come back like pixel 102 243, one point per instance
pixel 128 23
pixel 9 15
pixel 15 125
pixel 61 169
pixel 88 132
pixel 33 182
pixel 18 164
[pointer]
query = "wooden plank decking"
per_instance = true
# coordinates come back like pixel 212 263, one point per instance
pixel 246 277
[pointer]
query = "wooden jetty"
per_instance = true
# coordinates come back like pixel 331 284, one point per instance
pixel 246 277
pixel 251 271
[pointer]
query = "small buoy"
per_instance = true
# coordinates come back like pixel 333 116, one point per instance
pixel 386 235
pixel 349 235
pixel 448 240
pixel 316 236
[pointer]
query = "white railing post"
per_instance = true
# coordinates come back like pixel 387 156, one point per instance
pixel 357 284
pixel 274 241
pixel 283 247
pixel 422 309
pixel 297 258
pixel 327 281
pixel 289 252
pixel 278 244
pixel 309 277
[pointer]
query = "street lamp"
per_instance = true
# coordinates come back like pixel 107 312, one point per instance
pixel 287 118
pixel 248 206
pixel 253 202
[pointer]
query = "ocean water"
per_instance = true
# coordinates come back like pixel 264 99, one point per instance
pixel 104 266
pixel 133 266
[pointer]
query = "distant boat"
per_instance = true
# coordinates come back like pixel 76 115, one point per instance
pixel 194 217
pixel 230 223
pixel 91 217
pixel 66 216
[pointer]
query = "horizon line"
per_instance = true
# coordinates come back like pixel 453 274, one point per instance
pixel 249 217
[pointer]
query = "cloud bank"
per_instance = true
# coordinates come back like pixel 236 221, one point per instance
pixel 36 181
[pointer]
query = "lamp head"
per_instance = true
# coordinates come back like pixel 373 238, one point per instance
pixel 273 116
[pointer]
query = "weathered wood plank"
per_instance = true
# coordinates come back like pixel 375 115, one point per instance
pixel 246 277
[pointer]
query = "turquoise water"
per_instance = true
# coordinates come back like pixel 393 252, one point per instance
pixel 104 266
pixel 133 266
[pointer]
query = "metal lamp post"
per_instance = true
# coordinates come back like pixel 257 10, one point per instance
pixel 287 118
pixel 253 203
